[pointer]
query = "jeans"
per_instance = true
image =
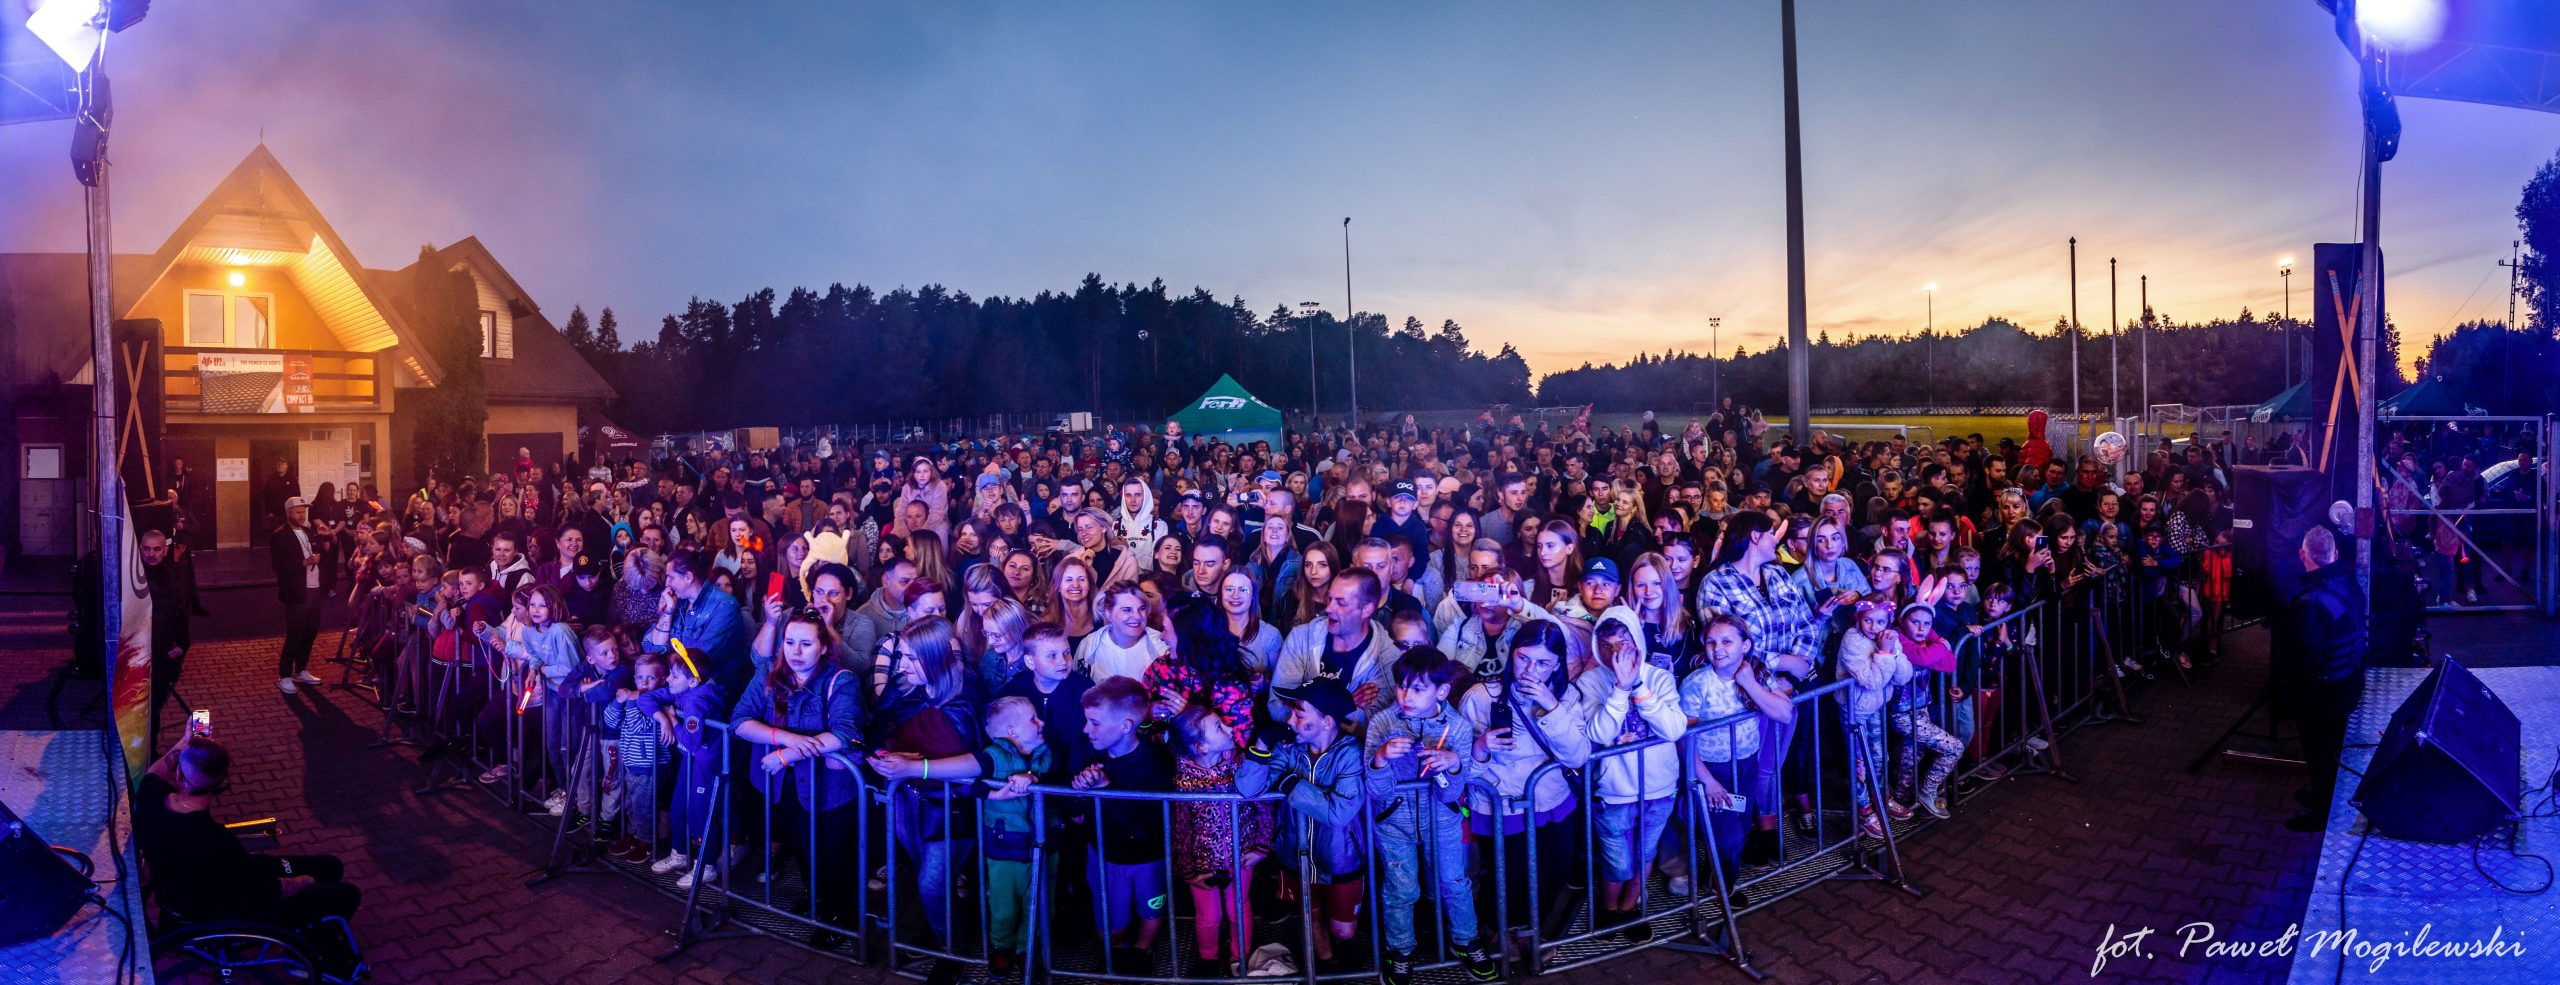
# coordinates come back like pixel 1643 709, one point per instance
pixel 938 860
pixel 1727 828
pixel 1866 760
pixel 1400 851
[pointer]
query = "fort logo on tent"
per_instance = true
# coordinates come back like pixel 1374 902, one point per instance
pixel 1221 402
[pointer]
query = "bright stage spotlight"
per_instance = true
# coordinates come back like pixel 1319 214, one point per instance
pixel 2400 25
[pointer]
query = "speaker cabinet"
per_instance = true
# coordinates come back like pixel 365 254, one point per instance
pixel 2449 769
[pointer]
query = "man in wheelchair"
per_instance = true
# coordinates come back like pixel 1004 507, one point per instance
pixel 201 873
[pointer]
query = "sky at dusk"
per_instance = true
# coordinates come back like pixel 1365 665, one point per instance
pixel 1580 180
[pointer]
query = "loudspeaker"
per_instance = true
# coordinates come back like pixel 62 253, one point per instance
pixel 2449 768
pixel 2331 345
pixel 2272 505
pixel 39 890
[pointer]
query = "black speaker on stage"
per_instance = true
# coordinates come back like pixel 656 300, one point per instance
pixel 2449 768
pixel 2272 505
pixel 39 890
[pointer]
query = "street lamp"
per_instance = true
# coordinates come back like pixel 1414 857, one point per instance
pixel 2284 272
pixel 1929 338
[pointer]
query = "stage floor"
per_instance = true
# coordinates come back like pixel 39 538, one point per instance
pixel 63 784
pixel 2405 895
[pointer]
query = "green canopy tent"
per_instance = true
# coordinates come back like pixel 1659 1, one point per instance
pixel 2299 403
pixel 2433 398
pixel 1230 413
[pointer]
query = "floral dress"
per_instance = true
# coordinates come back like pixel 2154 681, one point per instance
pixel 1206 835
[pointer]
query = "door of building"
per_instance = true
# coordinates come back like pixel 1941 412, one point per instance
pixel 48 506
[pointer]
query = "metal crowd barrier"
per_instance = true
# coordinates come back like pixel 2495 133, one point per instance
pixel 917 889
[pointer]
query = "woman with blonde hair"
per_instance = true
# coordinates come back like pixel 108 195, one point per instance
pixel 924 547
pixel 992 641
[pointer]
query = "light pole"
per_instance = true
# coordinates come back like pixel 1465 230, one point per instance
pixel 2146 344
pixel 2075 332
pixel 1307 319
pixel 2284 272
pixel 2115 329
pixel 1799 349
pixel 1929 338
pixel 1351 323
pixel 1715 362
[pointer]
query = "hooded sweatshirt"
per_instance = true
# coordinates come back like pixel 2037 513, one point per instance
pixel 1618 716
pixel 1139 531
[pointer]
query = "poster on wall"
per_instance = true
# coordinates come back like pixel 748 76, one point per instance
pixel 255 383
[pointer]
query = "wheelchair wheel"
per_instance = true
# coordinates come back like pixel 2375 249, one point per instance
pixel 229 952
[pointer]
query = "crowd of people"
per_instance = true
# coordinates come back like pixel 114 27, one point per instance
pixel 1386 616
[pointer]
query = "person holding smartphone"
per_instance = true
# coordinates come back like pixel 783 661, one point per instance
pixel 1522 723
pixel 199 868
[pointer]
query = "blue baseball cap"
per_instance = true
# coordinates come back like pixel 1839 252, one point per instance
pixel 1602 568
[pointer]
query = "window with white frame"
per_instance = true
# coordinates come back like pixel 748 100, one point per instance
pixel 216 319
pixel 488 334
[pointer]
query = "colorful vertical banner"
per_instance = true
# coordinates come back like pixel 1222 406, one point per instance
pixel 297 385
pixel 129 674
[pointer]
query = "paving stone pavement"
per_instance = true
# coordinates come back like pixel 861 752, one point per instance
pixel 2021 885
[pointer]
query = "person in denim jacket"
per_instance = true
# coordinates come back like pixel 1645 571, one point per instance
pixel 799 712
pixel 1420 740
pixel 1320 775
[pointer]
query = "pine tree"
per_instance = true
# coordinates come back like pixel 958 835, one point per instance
pixel 608 338
pixel 580 337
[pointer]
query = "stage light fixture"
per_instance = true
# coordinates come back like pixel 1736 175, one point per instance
pixel 2401 24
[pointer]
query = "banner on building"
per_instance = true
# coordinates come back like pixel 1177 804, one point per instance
pixel 255 383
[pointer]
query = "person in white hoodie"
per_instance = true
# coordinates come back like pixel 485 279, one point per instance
pixel 1135 518
pixel 1629 702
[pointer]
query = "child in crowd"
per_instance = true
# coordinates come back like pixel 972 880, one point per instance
pixel 1127 872
pixel 636 744
pixel 1017 755
pixel 1871 658
pixel 1629 702
pixel 1050 680
pixel 1933 666
pixel 1216 845
pixel 1319 773
pixel 2156 566
pixel 581 728
pixel 680 708
pixel 1725 686
pixel 1420 738
pixel 1983 660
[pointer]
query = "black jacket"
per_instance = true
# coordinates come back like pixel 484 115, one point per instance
pixel 2329 624
pixel 285 554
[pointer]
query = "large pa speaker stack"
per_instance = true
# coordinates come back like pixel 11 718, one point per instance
pixel 2272 505
pixel 2449 769
pixel 38 890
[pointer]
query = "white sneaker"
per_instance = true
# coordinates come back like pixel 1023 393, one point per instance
pixel 306 677
pixel 706 874
pixel 1679 885
pixel 879 880
pixel 673 861
pixel 285 684
pixel 2037 743
pixel 557 804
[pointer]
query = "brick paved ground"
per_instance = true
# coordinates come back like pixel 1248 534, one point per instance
pixel 2022 884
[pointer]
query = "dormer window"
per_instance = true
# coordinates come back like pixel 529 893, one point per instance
pixel 488 334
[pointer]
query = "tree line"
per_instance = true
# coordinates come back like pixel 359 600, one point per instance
pixel 851 354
